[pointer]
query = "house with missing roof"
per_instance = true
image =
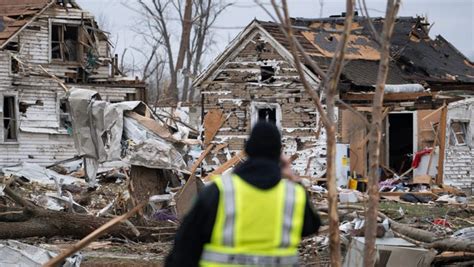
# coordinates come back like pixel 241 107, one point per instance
pixel 44 43
pixel 255 78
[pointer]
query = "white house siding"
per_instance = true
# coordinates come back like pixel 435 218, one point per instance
pixel 459 159
pixel 40 138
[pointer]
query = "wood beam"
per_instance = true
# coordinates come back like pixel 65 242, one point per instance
pixel 442 144
pixel 369 96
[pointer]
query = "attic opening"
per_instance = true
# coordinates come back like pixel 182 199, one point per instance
pixel 10 129
pixel 64 42
pixel 12 46
pixel 267 74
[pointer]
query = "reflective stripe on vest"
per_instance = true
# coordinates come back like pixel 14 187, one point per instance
pixel 229 207
pixel 288 215
pixel 245 259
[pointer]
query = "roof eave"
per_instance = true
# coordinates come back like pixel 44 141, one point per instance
pixel 27 24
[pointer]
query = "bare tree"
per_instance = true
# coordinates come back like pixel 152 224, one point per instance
pixel 328 89
pixel 160 20
pixel 375 133
pixel 329 82
pixel 183 47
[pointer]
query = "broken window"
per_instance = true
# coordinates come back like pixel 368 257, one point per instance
pixel 263 111
pixel 64 42
pixel 267 74
pixel 458 133
pixel 14 65
pixel 9 119
pixel 64 115
pixel 267 114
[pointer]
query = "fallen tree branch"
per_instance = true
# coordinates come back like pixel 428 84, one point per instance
pixel 419 237
pixel 37 221
pixel 93 236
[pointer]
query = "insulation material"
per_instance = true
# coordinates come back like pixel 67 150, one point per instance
pixel 403 88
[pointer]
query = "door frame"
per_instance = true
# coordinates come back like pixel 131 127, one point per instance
pixel 387 132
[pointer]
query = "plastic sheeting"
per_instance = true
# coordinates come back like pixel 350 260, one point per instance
pixel 14 253
pixel 35 173
pixel 152 153
pixel 100 129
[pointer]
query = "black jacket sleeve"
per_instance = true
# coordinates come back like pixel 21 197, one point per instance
pixel 195 230
pixel 311 222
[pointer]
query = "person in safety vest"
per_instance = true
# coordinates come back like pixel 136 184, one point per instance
pixel 249 217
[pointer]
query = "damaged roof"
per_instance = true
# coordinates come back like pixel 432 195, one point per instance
pixel 16 14
pixel 416 58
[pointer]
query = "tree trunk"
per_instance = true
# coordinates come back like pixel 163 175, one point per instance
pixel 45 223
pixel 185 36
pixel 375 135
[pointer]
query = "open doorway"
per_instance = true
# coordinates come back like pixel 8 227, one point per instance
pixel 400 141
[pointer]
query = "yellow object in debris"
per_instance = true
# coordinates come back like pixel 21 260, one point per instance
pixel 353 184
pixel 345 161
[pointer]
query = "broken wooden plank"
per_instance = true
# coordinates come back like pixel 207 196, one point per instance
pixel 433 113
pixel 190 188
pixel 229 164
pixel 387 97
pixel 212 123
pixel 150 124
pixel 432 151
pixel 442 144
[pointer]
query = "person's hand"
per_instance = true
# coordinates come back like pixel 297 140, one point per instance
pixel 286 170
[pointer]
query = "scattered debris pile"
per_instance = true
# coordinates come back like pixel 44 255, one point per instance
pixel 435 228
pixel 129 157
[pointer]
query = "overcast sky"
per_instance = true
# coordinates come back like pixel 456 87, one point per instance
pixel 453 19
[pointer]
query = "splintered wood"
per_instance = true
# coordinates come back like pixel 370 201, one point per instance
pixel 212 123
pixel 150 124
pixel 229 164
pixel 190 189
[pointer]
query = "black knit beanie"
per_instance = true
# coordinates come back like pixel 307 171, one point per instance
pixel 264 141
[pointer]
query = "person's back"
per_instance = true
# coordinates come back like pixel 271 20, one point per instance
pixel 249 217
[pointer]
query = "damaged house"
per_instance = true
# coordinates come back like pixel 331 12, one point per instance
pixel 254 78
pixel 46 47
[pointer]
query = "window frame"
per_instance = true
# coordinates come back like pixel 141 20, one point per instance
pixel 255 106
pixel 453 136
pixel 70 23
pixel 61 96
pixel 3 140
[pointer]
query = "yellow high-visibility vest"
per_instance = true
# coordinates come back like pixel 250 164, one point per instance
pixel 255 226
